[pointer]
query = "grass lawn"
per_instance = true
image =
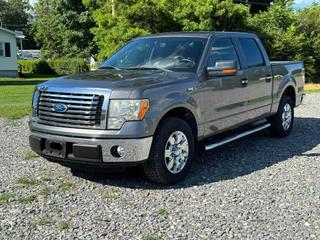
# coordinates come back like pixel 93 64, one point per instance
pixel 312 87
pixel 16 95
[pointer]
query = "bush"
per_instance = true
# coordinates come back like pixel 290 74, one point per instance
pixel 27 65
pixel 53 67
pixel 42 67
pixel 69 66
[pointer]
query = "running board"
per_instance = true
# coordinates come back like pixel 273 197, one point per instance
pixel 233 138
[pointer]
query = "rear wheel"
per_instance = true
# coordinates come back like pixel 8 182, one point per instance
pixel 171 153
pixel 281 123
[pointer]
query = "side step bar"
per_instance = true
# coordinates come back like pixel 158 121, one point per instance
pixel 235 137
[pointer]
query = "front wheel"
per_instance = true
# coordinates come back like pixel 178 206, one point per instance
pixel 281 123
pixel 171 153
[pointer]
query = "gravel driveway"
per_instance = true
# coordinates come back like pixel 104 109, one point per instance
pixel 255 188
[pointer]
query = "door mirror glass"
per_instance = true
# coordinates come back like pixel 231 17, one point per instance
pixel 222 68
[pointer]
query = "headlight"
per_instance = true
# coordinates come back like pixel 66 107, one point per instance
pixel 35 99
pixel 121 111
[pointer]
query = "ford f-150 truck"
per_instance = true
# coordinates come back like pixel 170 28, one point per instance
pixel 159 97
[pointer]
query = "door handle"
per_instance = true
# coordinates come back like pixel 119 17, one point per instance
pixel 268 78
pixel 244 82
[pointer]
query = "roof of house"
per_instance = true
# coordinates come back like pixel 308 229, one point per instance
pixel 17 34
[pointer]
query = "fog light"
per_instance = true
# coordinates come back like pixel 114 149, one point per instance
pixel 121 151
pixel 118 151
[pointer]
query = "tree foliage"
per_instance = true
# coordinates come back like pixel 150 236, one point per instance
pixel 284 35
pixel 209 15
pixel 308 24
pixel 15 14
pixel 71 28
pixel 62 28
pixel 131 19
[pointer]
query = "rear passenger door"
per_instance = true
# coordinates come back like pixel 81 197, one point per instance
pixel 259 76
pixel 225 97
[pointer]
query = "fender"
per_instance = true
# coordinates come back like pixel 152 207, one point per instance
pixel 171 101
pixel 286 82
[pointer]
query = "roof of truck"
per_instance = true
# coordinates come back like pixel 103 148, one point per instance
pixel 199 34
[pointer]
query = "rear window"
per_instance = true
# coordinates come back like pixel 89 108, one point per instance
pixel 252 52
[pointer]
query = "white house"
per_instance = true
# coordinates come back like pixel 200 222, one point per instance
pixel 8 52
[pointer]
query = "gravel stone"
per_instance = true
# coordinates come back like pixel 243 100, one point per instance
pixel 255 188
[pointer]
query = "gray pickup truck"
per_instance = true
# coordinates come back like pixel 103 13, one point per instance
pixel 161 97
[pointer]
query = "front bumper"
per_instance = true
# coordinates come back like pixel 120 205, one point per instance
pixel 90 150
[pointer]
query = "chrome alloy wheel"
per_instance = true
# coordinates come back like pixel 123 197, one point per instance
pixel 176 152
pixel 286 116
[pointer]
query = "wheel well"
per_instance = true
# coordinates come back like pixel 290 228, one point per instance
pixel 186 115
pixel 290 93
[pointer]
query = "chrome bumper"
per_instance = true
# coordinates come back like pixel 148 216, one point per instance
pixel 136 150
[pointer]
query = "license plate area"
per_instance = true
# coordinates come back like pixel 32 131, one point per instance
pixel 55 148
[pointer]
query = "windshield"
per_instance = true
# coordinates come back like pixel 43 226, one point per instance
pixel 165 53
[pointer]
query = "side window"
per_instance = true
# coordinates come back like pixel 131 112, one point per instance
pixel 222 49
pixel 251 51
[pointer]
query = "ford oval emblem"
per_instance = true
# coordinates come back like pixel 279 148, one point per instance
pixel 61 108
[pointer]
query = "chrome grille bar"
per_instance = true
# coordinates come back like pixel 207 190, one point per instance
pixel 82 110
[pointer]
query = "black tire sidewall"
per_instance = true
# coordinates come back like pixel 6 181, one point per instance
pixel 157 158
pixel 276 122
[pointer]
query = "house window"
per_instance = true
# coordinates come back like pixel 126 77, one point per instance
pixel 7 49
pixel 1 49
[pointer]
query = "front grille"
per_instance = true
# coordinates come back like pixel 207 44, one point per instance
pixel 82 110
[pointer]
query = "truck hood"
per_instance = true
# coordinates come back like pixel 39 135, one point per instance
pixel 112 79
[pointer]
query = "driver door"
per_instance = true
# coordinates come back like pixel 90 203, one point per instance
pixel 225 97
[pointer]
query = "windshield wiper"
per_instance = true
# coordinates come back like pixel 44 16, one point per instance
pixel 109 67
pixel 148 68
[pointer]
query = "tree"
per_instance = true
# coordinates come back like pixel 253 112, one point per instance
pixel 256 5
pixel 62 28
pixel 308 24
pixel 15 14
pixel 134 18
pixel 210 15
pixel 119 21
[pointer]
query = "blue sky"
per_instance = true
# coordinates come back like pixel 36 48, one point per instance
pixel 304 3
pixel 298 3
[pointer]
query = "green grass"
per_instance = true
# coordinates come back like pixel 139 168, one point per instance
pixel 63 225
pixel 16 95
pixel 65 185
pixel 110 194
pixel 28 181
pixel 149 237
pixel 312 87
pixel 27 199
pixel 30 155
pixel 41 222
pixel 163 212
pixel 6 197
pixel 46 191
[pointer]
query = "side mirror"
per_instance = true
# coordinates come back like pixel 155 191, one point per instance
pixel 223 68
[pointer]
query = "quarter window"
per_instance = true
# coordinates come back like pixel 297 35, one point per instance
pixel 222 49
pixel 252 52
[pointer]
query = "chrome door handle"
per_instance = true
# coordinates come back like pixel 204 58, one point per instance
pixel 244 81
pixel 268 78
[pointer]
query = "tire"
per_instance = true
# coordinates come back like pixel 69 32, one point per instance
pixel 173 137
pixel 282 122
